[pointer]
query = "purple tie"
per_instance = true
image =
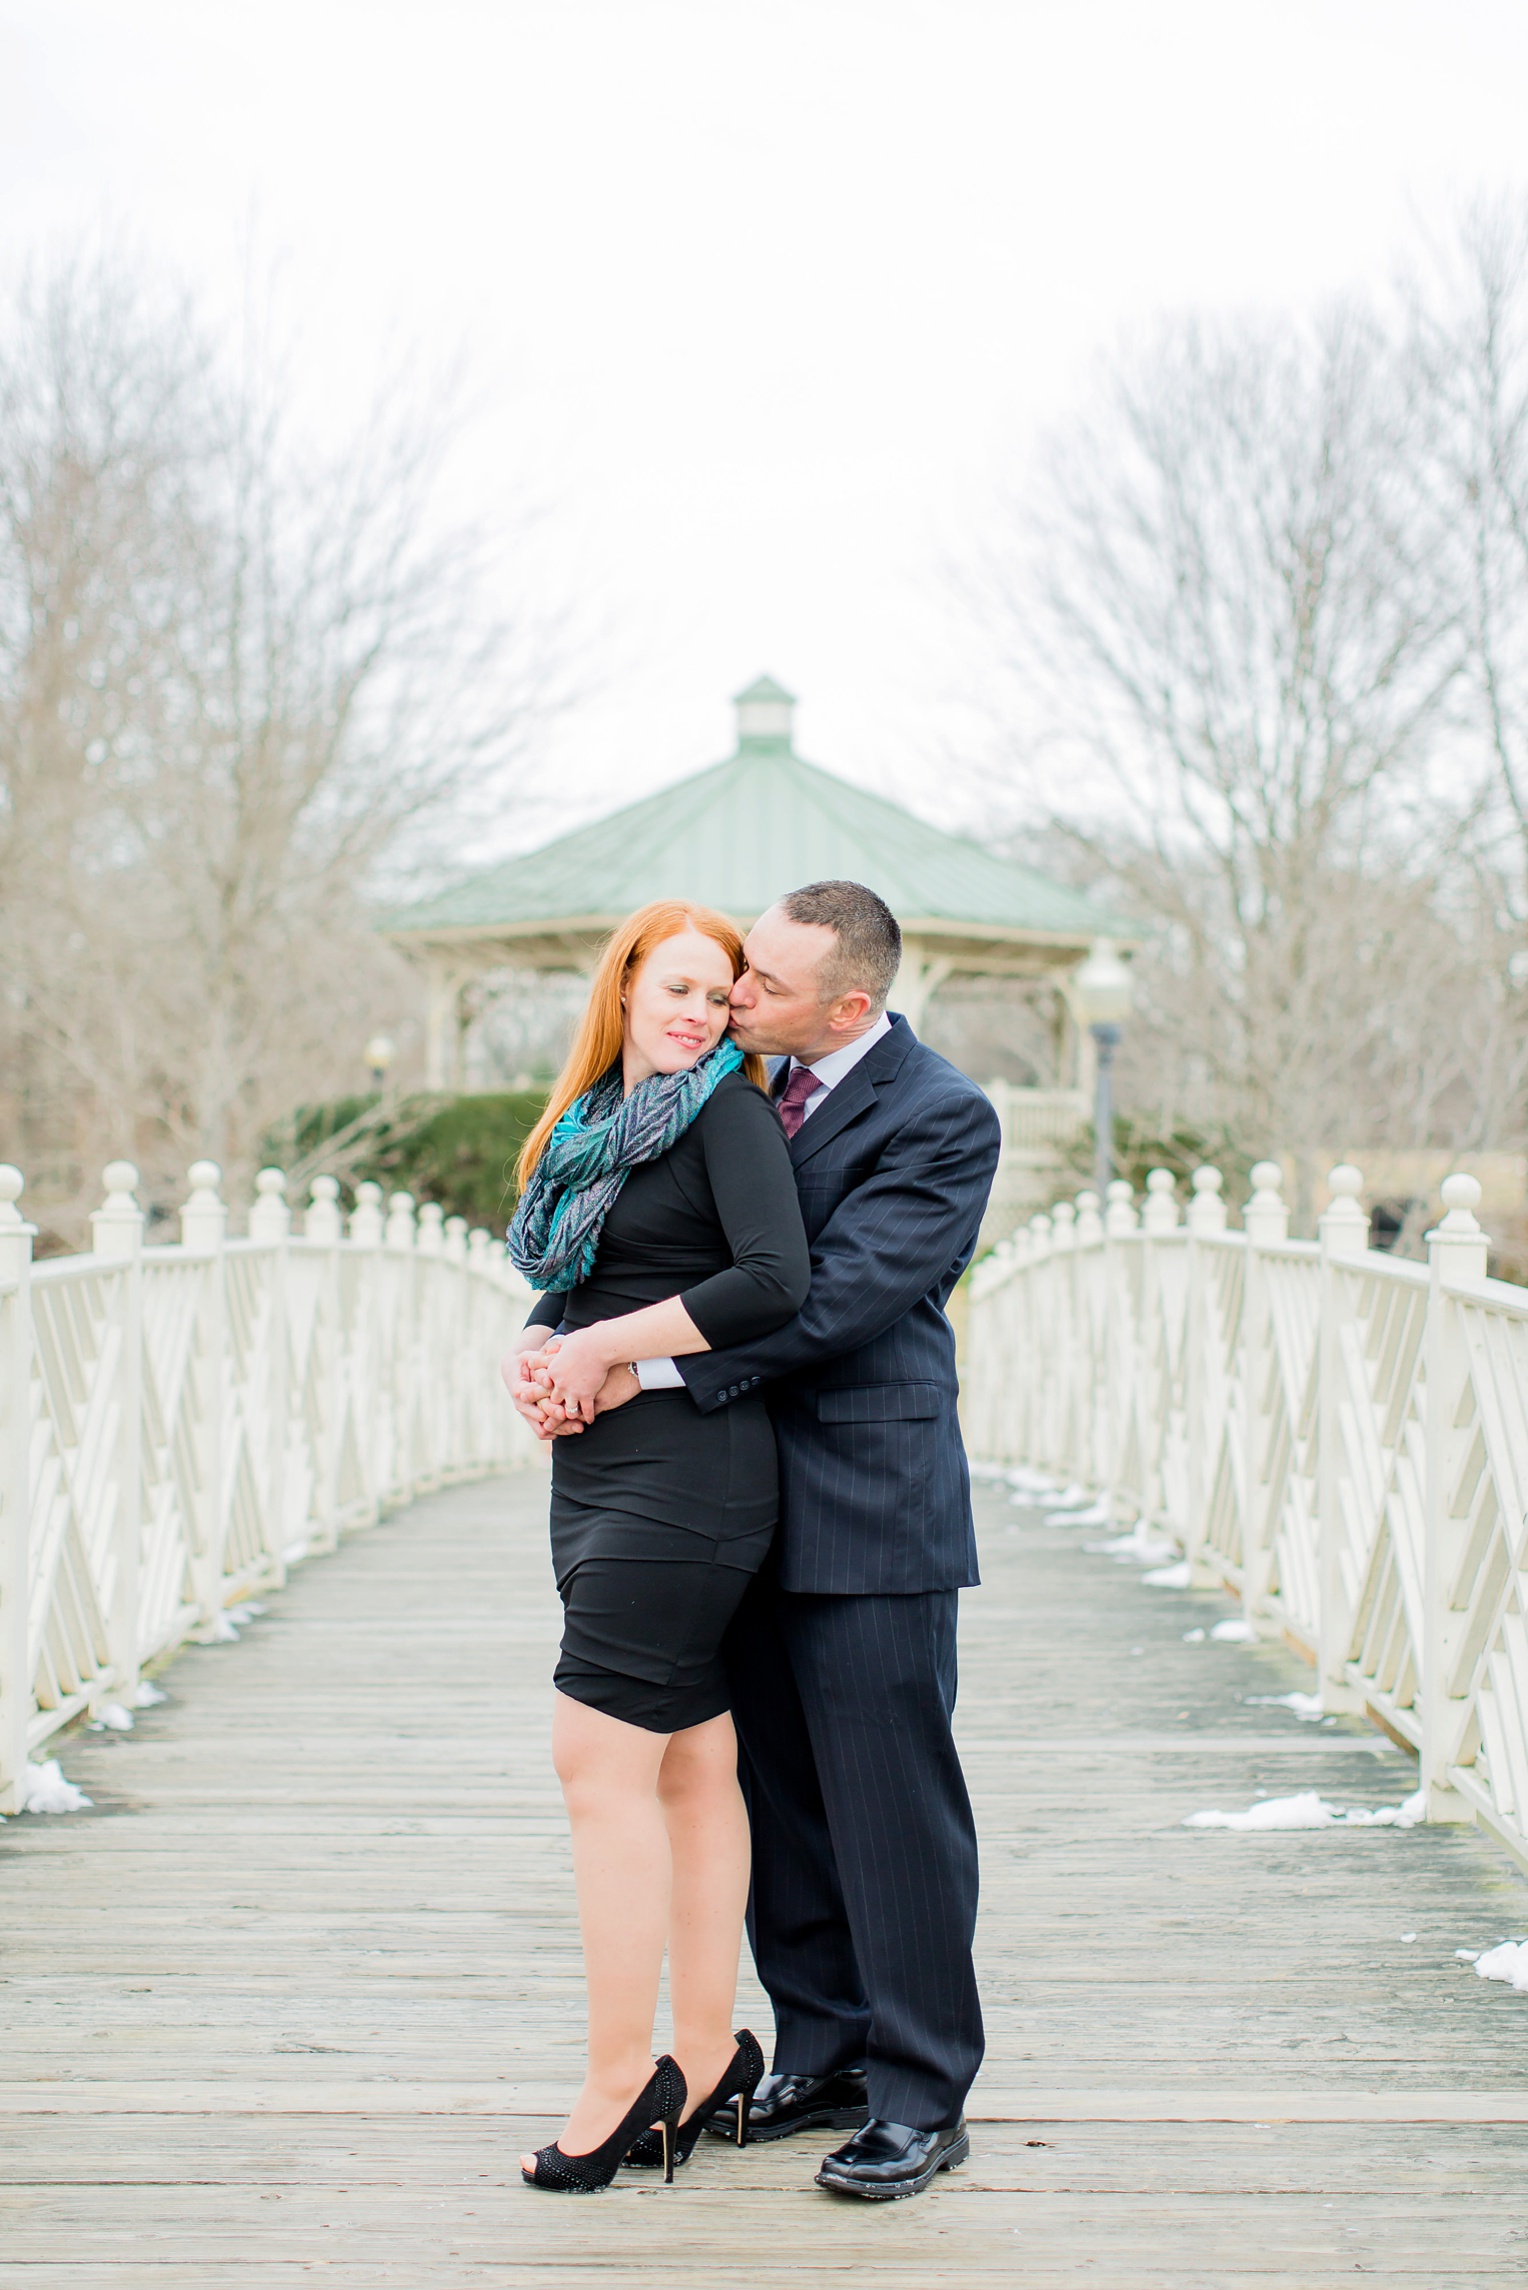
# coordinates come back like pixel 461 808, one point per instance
pixel 803 1084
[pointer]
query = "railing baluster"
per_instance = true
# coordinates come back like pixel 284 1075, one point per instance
pixel 1456 1258
pixel 270 1227
pixel 1343 1231
pixel 117 1232
pixel 204 1229
pixel 16 1238
pixel 1265 1221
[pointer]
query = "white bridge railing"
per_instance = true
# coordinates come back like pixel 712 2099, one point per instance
pixel 180 1425
pixel 1338 1435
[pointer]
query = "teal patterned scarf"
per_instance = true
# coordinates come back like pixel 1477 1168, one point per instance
pixel 556 1230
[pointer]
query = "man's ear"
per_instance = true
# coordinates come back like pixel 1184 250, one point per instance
pixel 849 1010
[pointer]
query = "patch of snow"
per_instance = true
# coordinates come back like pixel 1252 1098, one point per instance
pixel 1507 1961
pixel 294 1552
pixel 1468 1955
pixel 1190 1637
pixel 1307 1707
pixel 1031 1482
pixel 1170 1578
pixel 221 1632
pixel 1407 1938
pixel 1139 1548
pixel 1096 1515
pixel 1308 1811
pixel 149 1696
pixel 44 1790
pixel 1071 1498
pixel 1403 1816
pixel 1234 1632
pixel 250 1611
pixel 112 1717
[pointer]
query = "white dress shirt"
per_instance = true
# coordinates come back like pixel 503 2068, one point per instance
pixel 663 1375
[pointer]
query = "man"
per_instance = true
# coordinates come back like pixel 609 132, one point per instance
pixel 842 1658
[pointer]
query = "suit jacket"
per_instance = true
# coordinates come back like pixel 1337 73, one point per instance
pixel 893 1173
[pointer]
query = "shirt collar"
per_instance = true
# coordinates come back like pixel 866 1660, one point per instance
pixel 832 1069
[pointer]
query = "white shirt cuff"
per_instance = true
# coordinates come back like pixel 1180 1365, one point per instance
pixel 658 1375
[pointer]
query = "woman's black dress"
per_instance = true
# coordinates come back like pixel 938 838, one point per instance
pixel 660 1514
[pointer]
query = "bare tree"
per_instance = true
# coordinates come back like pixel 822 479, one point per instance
pixel 1225 603
pixel 237 683
pixel 1468 357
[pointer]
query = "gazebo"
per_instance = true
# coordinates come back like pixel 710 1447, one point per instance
pixel 735 837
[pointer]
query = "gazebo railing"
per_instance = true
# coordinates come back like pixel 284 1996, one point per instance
pixel 180 1425
pixel 1337 1435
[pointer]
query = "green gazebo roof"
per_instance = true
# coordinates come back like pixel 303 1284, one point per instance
pixel 738 835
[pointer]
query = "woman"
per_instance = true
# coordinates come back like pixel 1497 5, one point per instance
pixel 659 1213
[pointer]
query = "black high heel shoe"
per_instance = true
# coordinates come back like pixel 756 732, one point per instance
pixel 745 2072
pixel 661 2100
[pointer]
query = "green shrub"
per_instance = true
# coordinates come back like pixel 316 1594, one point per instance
pixel 1138 1149
pixel 460 1151
pixel 463 1156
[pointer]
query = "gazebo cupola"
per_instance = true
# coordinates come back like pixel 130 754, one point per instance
pixel 766 714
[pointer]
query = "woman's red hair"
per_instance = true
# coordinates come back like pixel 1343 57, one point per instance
pixel 597 1044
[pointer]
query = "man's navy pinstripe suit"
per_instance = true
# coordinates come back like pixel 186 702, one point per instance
pixel 842 1657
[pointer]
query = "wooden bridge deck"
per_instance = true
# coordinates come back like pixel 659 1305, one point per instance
pixel 288 2003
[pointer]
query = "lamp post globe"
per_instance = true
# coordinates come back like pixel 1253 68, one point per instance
pixel 379 1054
pixel 1104 992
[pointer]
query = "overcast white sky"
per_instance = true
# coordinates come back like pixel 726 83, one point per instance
pixel 762 296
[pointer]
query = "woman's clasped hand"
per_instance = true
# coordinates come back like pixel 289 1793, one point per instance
pixel 569 1378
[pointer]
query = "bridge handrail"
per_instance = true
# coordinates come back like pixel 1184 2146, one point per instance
pixel 182 1423
pixel 1337 1435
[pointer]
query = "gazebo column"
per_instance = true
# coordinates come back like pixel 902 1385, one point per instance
pixel 445 1023
pixel 924 970
pixel 1076 1055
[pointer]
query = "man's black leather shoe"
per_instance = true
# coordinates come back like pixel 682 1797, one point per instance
pixel 786 2103
pixel 884 2161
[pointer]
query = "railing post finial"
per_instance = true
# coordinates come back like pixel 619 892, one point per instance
pixel 1343 1225
pixel 1457 1246
pixel 1120 1216
pixel 16 1235
pixel 117 1225
pixel 322 1220
pixel 270 1220
pixel 1207 1211
pixel 1266 1215
pixel 204 1218
pixel 400 1223
pixel 366 1216
pixel 1161 1211
pixel 1090 1225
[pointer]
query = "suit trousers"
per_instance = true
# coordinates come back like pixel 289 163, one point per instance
pixel 863 1902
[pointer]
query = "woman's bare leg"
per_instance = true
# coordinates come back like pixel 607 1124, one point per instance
pixel 622 1867
pixel 708 1838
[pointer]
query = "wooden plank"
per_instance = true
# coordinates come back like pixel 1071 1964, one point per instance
pixel 528 2101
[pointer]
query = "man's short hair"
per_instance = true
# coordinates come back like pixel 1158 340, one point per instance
pixel 869 949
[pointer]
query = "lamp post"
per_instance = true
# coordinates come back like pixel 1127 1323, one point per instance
pixel 379 1053
pixel 1103 989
